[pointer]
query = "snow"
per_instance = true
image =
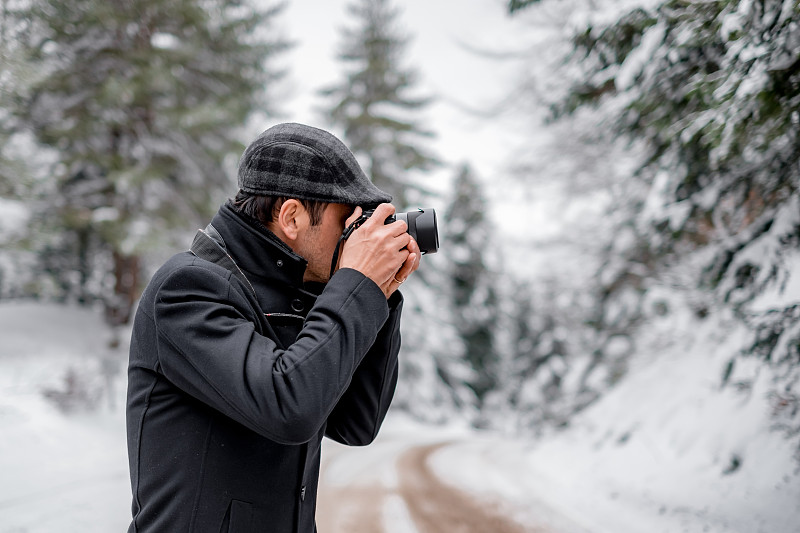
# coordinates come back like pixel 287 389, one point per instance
pixel 60 472
pixel 668 449
pixel 164 41
pixel 638 60
pixel 396 517
pixel 656 453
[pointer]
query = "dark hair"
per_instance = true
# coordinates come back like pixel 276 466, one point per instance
pixel 264 208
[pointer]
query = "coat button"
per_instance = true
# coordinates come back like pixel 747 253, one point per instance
pixel 297 305
pixel 279 263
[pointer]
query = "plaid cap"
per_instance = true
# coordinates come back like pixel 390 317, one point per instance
pixel 307 163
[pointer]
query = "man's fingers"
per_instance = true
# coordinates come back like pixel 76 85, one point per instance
pixel 411 263
pixel 406 269
pixel 398 227
pixel 352 218
pixel 403 240
pixel 380 215
pixel 378 220
pixel 413 247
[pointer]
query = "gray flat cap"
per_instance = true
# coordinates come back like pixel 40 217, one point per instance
pixel 307 163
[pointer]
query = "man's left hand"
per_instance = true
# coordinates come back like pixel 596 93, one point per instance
pixel 411 264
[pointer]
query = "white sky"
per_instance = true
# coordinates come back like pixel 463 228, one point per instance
pixel 447 70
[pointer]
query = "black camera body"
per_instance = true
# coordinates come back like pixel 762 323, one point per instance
pixel 421 226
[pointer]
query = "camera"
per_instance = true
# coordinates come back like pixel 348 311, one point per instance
pixel 421 226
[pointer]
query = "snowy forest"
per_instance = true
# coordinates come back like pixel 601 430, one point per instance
pixel 622 279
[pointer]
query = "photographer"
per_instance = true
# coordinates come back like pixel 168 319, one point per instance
pixel 246 351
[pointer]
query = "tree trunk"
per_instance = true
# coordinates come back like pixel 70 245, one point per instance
pixel 126 289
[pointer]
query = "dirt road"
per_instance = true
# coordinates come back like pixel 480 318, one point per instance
pixel 409 500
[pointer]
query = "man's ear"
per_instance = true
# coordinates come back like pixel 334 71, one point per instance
pixel 292 219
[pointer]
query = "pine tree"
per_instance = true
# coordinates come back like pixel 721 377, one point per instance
pixel 7 89
pixel 15 77
pixel 472 286
pixel 539 356
pixel 374 103
pixel 141 99
pixel 712 91
pixel 434 376
pixel 19 162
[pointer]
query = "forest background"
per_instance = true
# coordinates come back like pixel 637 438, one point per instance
pixel 630 193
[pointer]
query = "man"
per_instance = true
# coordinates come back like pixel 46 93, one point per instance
pixel 239 366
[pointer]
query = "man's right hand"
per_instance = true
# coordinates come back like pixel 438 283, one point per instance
pixel 379 250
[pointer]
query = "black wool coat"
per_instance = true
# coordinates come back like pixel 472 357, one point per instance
pixel 230 393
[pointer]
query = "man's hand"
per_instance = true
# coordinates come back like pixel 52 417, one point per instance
pixel 385 253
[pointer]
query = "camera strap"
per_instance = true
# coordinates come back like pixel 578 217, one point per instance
pixel 345 235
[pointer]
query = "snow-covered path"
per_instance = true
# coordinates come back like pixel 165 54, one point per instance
pixel 395 491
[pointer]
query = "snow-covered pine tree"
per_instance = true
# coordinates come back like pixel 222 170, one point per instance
pixel 142 100
pixel 376 105
pixel 15 77
pixel 18 167
pixel 472 284
pixel 712 89
pixel 568 321
pixel 538 361
pixel 7 90
pixel 434 376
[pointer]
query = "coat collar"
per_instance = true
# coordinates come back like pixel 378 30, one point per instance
pixel 259 252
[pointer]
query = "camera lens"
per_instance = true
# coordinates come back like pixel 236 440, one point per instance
pixel 423 228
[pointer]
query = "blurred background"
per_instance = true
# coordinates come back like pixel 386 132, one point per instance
pixel 617 290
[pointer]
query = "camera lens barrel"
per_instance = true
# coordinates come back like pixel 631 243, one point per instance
pixel 422 227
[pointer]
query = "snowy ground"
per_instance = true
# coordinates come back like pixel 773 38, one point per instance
pixel 650 457
pixel 60 471
pixel 666 450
